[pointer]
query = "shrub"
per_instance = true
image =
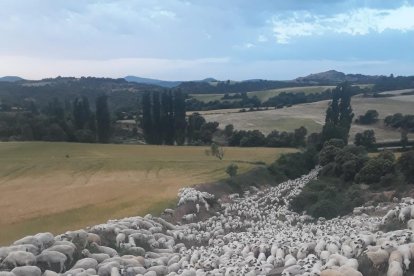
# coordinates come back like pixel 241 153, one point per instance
pixel 231 169
pixel 365 139
pixel 325 208
pixel 327 197
pixel 373 170
pixel 406 165
pixel 328 154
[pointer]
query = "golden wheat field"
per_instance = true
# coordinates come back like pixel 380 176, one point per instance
pixel 65 186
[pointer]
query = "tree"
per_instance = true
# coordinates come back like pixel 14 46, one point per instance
pixel 195 122
pixel 216 151
pixel 156 119
pixel 165 118
pixel 374 169
pixel 103 120
pixel 370 117
pixel 179 117
pixel 299 136
pixel 339 114
pixel 406 165
pixel 231 169
pixel 228 130
pixel 404 138
pixel 81 112
pixel 365 139
pixel 207 131
pixel 147 118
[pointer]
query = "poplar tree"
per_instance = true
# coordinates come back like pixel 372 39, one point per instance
pixel 103 120
pixel 339 114
pixel 146 117
pixel 180 123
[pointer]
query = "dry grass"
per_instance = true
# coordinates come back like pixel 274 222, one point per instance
pixel 61 186
pixel 264 95
pixel 312 116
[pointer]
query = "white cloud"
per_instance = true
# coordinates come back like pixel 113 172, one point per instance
pixel 360 21
pixel 262 38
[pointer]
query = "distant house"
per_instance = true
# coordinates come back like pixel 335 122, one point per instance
pixel 127 124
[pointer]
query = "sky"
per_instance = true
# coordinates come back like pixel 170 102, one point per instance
pixel 196 39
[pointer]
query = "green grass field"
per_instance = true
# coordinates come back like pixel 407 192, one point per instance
pixel 65 186
pixel 312 116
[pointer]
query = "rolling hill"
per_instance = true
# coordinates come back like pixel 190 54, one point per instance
pixel 10 79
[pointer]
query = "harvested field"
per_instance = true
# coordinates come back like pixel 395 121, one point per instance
pixel 312 116
pixel 60 186
pixel 264 95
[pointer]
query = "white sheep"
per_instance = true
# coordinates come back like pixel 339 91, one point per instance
pixel 86 263
pixel 99 257
pixel 52 257
pixel 395 269
pixel 50 273
pixel 29 240
pixel 27 270
pixel 64 249
pixel 7 273
pixel 120 238
pixel 19 258
pixel 104 249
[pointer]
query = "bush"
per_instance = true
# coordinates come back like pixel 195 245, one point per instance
pixel 294 165
pixel 231 169
pixel 370 117
pixel 326 208
pixel 327 197
pixel 373 170
pixel 365 139
pixel 406 165
pixel 328 154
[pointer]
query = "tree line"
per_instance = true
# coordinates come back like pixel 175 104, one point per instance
pixel 57 121
pixel 164 118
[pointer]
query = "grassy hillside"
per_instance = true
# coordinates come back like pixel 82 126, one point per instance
pixel 312 116
pixel 264 95
pixel 63 186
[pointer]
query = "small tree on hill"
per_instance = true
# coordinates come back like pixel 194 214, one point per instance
pixel 216 151
pixel 365 139
pixel 231 170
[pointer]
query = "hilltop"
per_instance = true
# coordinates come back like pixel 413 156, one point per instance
pixel 10 79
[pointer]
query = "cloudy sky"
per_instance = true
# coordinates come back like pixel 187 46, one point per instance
pixel 195 39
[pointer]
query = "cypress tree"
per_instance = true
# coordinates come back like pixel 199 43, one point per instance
pixel 339 114
pixel 345 110
pixel 103 120
pixel 171 124
pixel 81 112
pixel 164 116
pixel 147 117
pixel 179 117
pixel 156 119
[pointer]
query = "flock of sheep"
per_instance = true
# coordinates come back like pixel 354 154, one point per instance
pixel 252 234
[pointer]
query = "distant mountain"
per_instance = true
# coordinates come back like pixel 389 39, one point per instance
pixel 335 77
pixel 11 79
pixel 162 83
